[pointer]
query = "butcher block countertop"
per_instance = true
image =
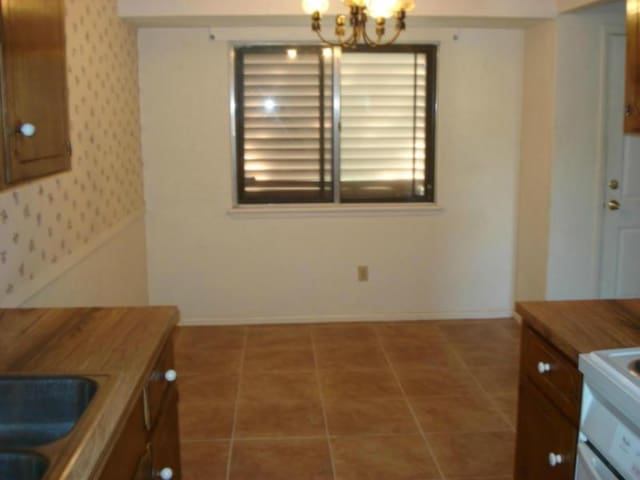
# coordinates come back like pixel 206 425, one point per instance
pixel 114 346
pixel 583 326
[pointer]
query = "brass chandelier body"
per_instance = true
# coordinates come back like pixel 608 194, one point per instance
pixel 358 18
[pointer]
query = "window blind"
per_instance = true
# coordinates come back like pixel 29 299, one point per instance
pixel 383 134
pixel 286 125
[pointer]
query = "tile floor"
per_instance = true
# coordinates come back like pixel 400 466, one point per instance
pixel 375 401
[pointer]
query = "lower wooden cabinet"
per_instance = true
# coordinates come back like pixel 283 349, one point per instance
pixel 148 447
pixel 543 431
pixel 548 411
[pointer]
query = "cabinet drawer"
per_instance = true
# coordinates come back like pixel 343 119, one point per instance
pixel 543 431
pixel 556 376
pixel 157 384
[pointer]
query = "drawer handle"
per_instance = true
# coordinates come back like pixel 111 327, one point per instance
pixel 555 459
pixel 165 474
pixel 543 367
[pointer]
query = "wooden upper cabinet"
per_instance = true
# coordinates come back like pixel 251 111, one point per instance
pixel 34 89
pixel 632 100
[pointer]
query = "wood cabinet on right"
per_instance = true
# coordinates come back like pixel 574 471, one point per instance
pixel 548 411
pixel 632 95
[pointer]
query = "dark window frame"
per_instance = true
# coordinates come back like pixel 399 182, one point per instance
pixel 431 55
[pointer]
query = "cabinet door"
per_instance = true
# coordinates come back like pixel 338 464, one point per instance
pixel 35 88
pixel 123 462
pixel 165 446
pixel 543 430
pixel 632 105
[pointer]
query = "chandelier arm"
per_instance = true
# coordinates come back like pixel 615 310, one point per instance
pixel 378 42
pixel 328 42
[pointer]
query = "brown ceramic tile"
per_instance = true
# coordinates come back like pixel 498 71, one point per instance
pixel 206 420
pixel 280 386
pixel 279 419
pixel 204 460
pixel 404 457
pixel 475 331
pixel 369 416
pixel 281 460
pixel 508 405
pixel 428 382
pixel 497 380
pixel 271 359
pixel 411 356
pixel 349 333
pixel 217 360
pixel 503 354
pixel 457 413
pixel 420 332
pixel 279 336
pixel 208 337
pixel 369 383
pixel 474 454
pixel 203 387
pixel 350 356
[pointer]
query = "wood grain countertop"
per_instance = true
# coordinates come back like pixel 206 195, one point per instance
pixel 117 346
pixel 582 326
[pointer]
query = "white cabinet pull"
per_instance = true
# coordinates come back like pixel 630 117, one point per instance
pixel 170 375
pixel 27 129
pixel 555 459
pixel 544 367
pixel 165 474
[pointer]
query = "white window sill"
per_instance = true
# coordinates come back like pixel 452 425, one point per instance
pixel 331 210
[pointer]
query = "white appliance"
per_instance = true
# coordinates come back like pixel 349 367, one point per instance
pixel 609 443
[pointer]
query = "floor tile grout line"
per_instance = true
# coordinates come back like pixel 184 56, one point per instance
pixel 486 393
pixel 411 409
pixel 237 403
pixel 322 404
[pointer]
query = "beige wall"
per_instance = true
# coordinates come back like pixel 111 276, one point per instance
pixel 223 268
pixel 49 226
pixel 534 186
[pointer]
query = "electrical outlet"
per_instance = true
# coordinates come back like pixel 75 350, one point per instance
pixel 363 273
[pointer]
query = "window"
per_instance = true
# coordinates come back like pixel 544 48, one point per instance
pixel 315 124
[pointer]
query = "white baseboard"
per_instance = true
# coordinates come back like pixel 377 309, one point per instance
pixel 30 288
pixel 372 317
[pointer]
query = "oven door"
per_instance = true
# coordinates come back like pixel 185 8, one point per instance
pixel 590 467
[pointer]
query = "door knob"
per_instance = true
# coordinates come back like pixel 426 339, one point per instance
pixel 613 184
pixel 613 205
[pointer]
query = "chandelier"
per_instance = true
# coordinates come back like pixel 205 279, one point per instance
pixel 359 13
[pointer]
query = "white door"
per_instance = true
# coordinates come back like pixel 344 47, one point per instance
pixel 620 268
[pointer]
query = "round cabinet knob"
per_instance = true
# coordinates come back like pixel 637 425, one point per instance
pixel 555 459
pixel 165 474
pixel 170 375
pixel 544 367
pixel 27 129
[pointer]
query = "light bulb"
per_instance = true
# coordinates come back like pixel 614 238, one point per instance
pixel 312 6
pixel 381 8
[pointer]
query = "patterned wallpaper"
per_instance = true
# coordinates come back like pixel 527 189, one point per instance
pixel 47 220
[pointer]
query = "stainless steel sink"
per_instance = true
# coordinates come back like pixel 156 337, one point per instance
pixel 22 465
pixel 36 410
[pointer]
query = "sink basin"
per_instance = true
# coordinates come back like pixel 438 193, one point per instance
pixel 38 410
pixel 22 465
